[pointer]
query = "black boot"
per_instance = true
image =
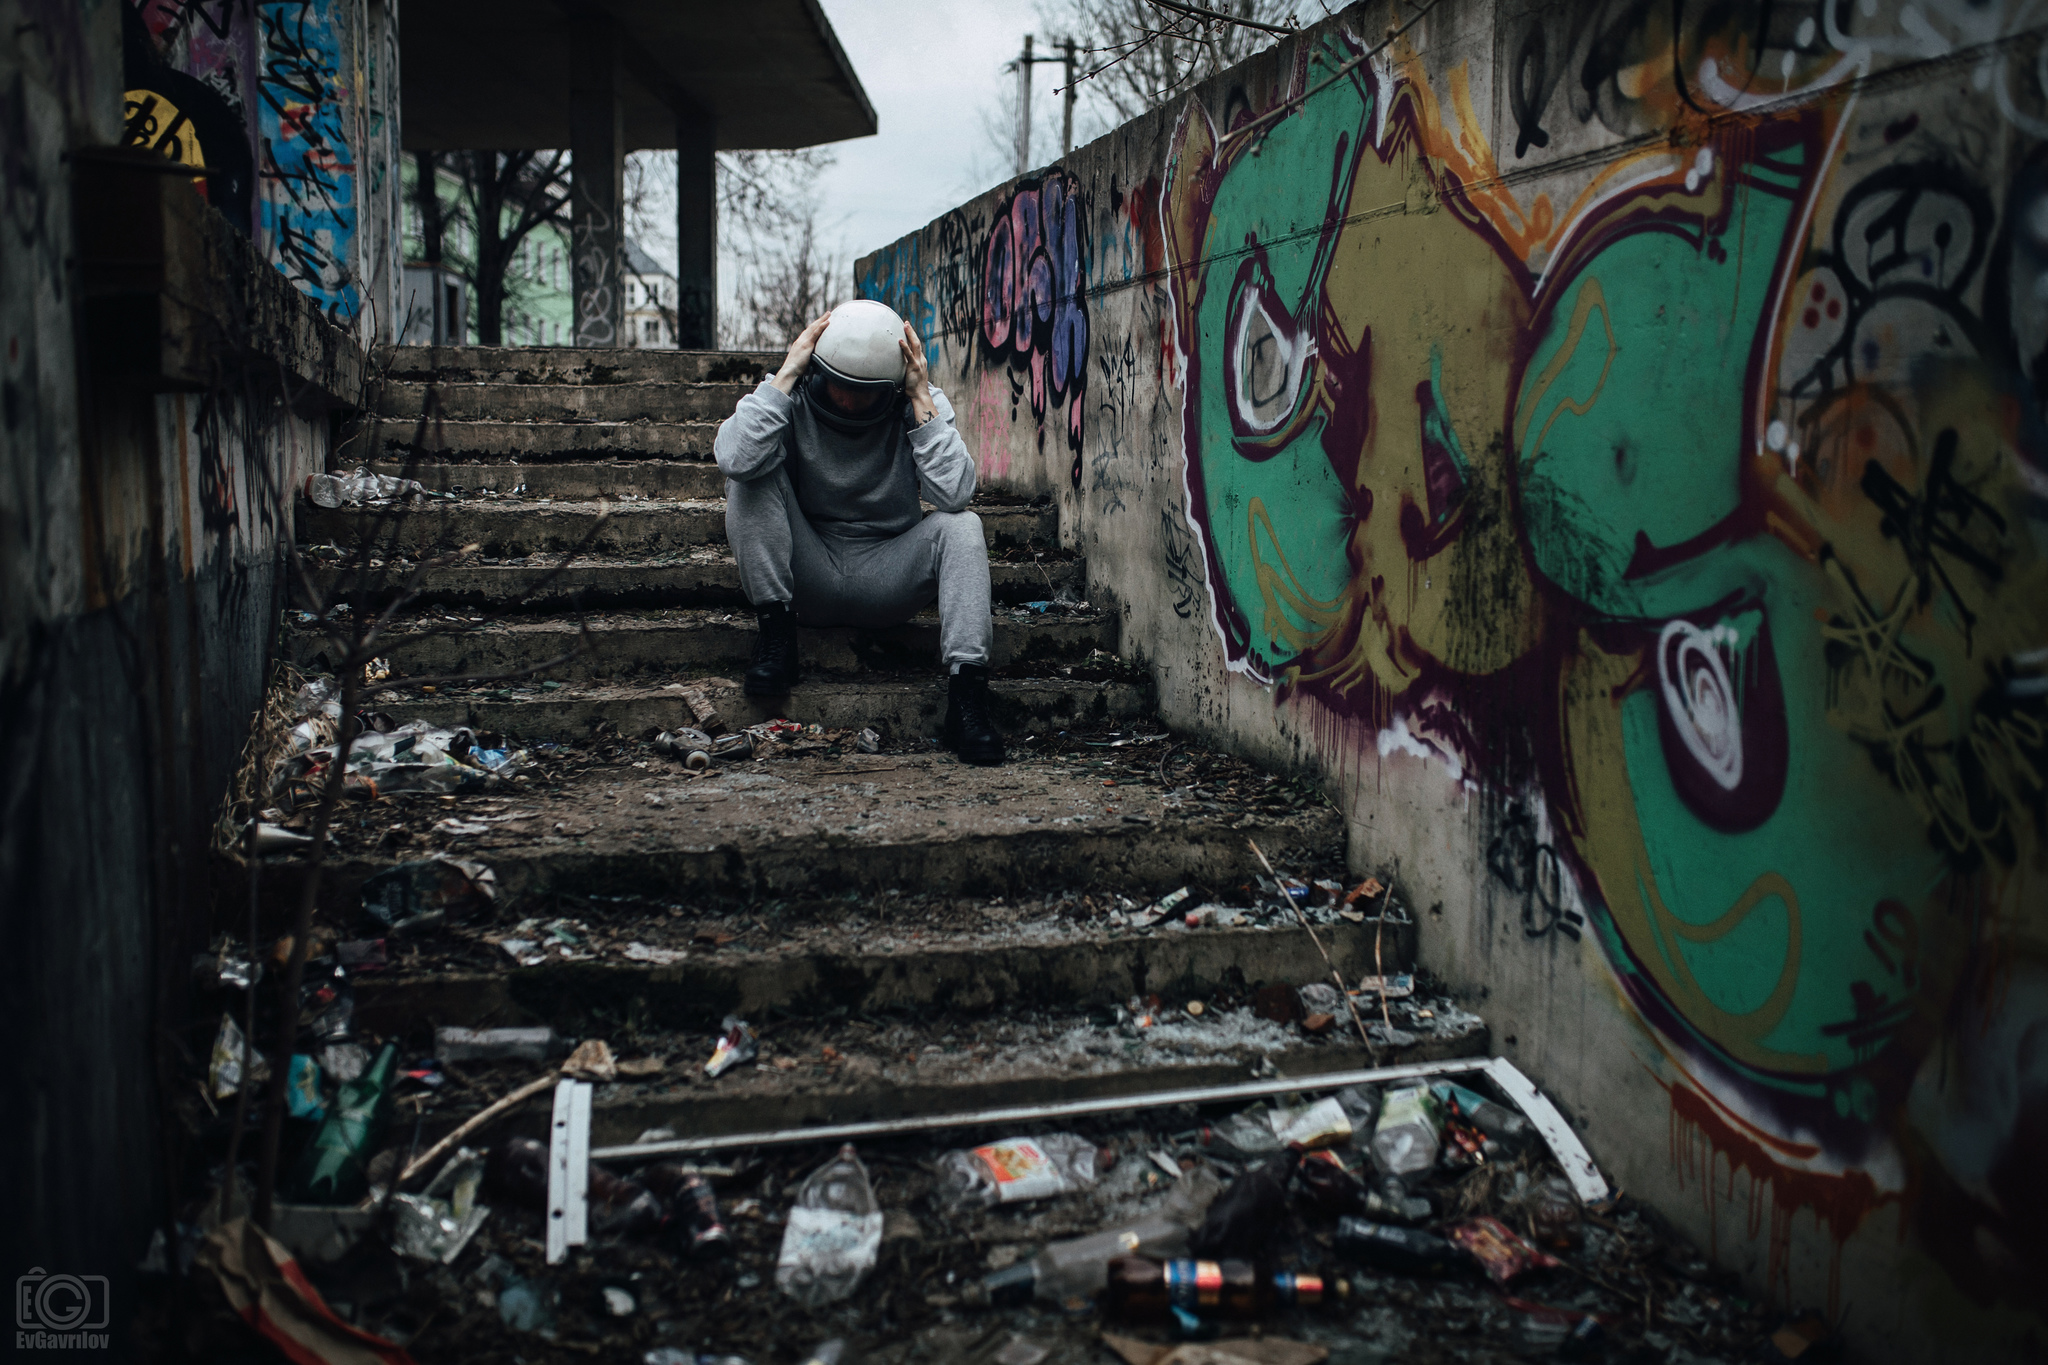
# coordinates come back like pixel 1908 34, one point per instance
pixel 774 670
pixel 970 729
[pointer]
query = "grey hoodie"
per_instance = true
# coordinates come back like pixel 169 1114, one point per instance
pixel 849 485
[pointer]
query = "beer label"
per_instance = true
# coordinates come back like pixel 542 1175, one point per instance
pixel 1194 1284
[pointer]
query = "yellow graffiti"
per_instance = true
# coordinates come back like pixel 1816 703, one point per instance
pixel 1590 297
pixel 1282 591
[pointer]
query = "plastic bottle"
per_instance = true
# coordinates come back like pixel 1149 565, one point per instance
pixel 1405 1251
pixel 1410 1133
pixel 1077 1269
pixel 1016 1169
pixel 334 1167
pixel 1496 1120
pixel 833 1236
pixel 1143 1290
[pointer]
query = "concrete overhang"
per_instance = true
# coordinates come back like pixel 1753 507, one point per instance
pixel 494 74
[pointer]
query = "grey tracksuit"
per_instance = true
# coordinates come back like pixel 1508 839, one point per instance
pixel 829 522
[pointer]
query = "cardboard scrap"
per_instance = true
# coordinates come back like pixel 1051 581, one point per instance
pixel 265 1285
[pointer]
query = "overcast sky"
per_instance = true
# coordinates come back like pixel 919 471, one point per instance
pixel 934 73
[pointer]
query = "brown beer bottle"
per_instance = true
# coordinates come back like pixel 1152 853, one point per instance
pixel 1143 1290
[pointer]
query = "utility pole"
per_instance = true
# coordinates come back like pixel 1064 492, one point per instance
pixel 1024 108
pixel 1024 65
pixel 1067 90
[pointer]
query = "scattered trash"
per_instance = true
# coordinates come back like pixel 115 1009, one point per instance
pixel 1495 1120
pixel 232 1059
pixel 1322 1124
pixel 1017 1169
pixel 302 1095
pixel 1076 1270
pixel 1140 1289
pixel 619 1301
pixel 1497 1250
pixel 334 1167
pixel 736 1045
pixel 437 1223
pixel 343 1062
pixel 406 896
pixel 1244 1219
pixel 337 490
pixel 1409 1134
pixel 263 1283
pixel 1159 909
pixel 1553 1212
pixel 1405 1251
pixel 833 1235
pixel 526 1305
pixel 660 957
pixel 694 1227
pixel 703 710
pixel 272 839
pixel 869 741
pixel 592 1061
pixel 362 955
pixel 532 1044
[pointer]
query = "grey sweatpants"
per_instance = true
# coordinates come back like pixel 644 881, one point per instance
pixel 832 580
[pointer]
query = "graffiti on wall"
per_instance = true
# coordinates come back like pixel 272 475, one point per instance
pixel 1703 514
pixel 189 67
pixel 1010 290
pixel 306 162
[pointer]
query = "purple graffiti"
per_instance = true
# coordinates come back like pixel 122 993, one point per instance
pixel 1033 310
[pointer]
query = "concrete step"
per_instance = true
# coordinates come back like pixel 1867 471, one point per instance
pixel 506 527
pixel 572 365
pixel 820 826
pixel 684 643
pixel 911 707
pixel 888 1067
pixel 705 577
pixel 620 402
pixel 542 441
pixel 860 961
pixel 653 479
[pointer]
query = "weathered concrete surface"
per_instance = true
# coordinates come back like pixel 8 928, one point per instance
pixel 708 577
pixel 861 823
pixel 637 401
pixel 1423 455
pixel 684 642
pixel 508 527
pixel 677 440
pixel 571 365
pixel 898 708
pixel 1060 970
pixel 660 480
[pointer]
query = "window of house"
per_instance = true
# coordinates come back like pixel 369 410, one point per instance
pixel 650 332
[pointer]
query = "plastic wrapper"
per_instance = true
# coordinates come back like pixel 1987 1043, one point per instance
pixel 437 1223
pixel 1016 1169
pixel 833 1235
pixel 232 1057
pixel 736 1045
pixel 1409 1134
pixel 353 490
pixel 1313 1126
pixel 302 1089
pixel 1497 1250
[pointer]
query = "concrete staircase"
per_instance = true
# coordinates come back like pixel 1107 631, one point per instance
pixel 910 934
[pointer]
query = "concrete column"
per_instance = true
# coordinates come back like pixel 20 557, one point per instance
pixel 597 192
pixel 696 228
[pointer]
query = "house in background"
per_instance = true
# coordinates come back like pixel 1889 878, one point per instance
pixel 650 300
pixel 438 305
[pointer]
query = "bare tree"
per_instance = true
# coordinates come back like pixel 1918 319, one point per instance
pixel 1135 55
pixel 501 197
pixel 767 233
pixel 785 285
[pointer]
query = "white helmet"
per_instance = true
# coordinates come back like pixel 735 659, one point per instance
pixel 861 350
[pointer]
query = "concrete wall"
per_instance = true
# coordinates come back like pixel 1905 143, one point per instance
pixel 1606 440
pixel 162 387
pixel 292 105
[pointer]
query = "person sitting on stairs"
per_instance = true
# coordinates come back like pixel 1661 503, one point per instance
pixel 824 464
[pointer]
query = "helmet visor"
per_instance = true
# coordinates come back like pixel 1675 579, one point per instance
pixel 854 401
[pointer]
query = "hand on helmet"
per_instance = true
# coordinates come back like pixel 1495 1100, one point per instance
pixel 917 379
pixel 799 358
